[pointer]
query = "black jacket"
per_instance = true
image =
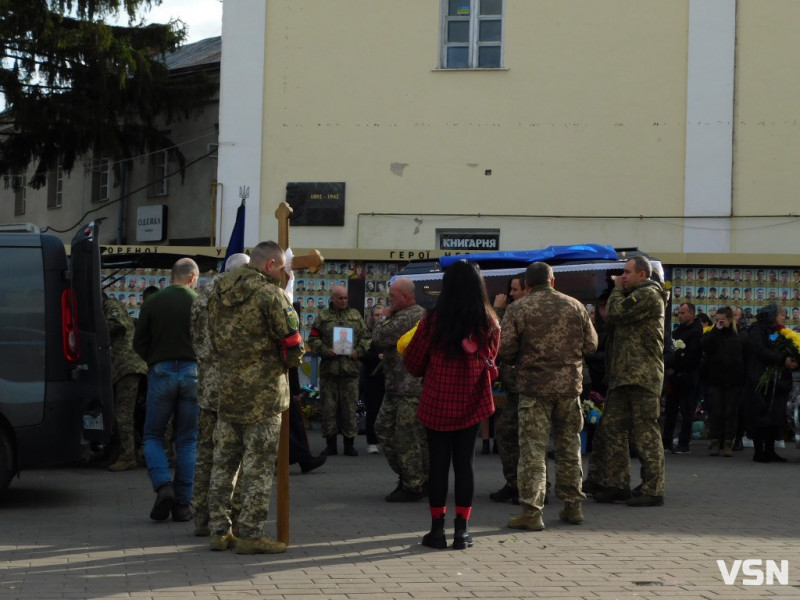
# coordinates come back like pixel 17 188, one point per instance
pixel 724 355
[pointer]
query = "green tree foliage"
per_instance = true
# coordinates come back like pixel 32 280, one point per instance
pixel 73 83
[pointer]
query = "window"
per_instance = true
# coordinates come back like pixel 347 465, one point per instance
pixel 19 187
pixel 472 34
pixel 101 177
pixel 159 170
pixel 55 186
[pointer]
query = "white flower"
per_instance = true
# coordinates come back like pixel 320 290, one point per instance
pixel 680 345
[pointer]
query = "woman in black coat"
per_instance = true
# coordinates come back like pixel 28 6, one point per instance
pixel 723 349
pixel 766 412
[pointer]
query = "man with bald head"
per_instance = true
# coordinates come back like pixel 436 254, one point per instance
pixel 163 339
pixel 401 434
pixel 339 371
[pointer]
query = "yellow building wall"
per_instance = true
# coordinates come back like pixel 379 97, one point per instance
pixel 587 119
pixel 583 131
pixel 766 177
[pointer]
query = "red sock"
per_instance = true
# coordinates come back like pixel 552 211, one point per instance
pixel 463 512
pixel 438 512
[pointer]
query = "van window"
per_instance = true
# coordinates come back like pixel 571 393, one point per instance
pixel 22 316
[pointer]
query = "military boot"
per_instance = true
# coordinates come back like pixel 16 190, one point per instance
pixel 218 543
pixel 611 494
pixel 571 513
pixel 462 539
pixel 349 447
pixel 435 538
pixel 714 448
pixel 531 520
pixel 646 500
pixel 728 448
pixel 259 545
pixel 330 449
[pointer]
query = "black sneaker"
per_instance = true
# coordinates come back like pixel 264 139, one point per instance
pixel 182 513
pixel 505 494
pixel 679 449
pixel 165 498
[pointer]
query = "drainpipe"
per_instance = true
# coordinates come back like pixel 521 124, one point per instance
pixel 122 205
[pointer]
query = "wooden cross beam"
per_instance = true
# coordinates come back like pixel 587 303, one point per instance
pixel 312 262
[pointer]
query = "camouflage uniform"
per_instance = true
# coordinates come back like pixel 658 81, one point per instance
pixel 401 434
pixel 635 371
pixel 547 334
pixel 248 317
pixel 209 380
pixel 506 431
pixel 127 370
pixel 338 374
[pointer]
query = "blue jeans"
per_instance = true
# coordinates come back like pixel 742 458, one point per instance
pixel 172 390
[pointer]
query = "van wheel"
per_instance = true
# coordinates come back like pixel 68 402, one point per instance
pixel 7 469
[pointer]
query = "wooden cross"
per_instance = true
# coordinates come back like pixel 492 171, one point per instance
pixel 312 262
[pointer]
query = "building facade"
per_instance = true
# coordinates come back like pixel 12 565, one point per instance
pixel 668 125
pixel 152 202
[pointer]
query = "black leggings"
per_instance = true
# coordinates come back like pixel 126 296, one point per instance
pixel 460 445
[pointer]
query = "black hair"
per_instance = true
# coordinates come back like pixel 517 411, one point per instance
pixel 462 308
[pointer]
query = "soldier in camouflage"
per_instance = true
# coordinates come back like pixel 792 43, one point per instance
pixel 209 380
pixel 255 339
pixel 339 374
pixel 547 334
pixel 401 434
pixel 635 372
pixel 127 372
pixel 506 432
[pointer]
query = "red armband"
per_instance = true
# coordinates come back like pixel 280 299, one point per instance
pixel 291 349
pixel 292 340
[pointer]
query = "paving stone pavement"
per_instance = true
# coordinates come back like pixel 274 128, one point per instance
pixel 85 533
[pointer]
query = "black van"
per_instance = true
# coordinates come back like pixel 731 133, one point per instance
pixel 56 397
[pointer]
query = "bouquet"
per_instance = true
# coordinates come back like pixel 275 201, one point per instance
pixel 593 408
pixel 787 342
pixel 680 345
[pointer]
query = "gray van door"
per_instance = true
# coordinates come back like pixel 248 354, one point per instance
pixel 93 368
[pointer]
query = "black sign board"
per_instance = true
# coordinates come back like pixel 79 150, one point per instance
pixel 316 204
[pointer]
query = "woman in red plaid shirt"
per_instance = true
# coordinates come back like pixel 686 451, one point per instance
pixel 454 348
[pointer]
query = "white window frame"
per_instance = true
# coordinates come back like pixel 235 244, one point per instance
pixel 474 44
pixel 101 180
pixel 55 187
pixel 160 181
pixel 20 189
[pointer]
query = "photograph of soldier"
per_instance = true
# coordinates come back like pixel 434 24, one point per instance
pixel 343 340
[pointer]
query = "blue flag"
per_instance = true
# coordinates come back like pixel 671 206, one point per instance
pixel 236 243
